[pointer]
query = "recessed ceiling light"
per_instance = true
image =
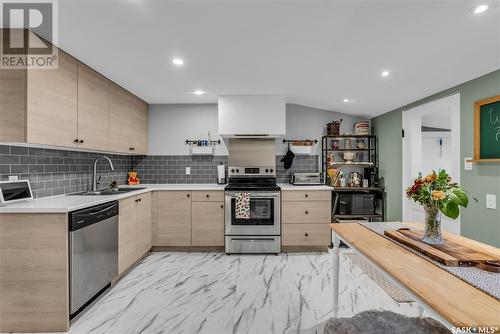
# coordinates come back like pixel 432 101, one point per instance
pixel 385 73
pixel 481 8
pixel 199 92
pixel 346 100
pixel 178 61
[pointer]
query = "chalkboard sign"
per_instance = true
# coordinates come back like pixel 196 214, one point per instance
pixel 487 129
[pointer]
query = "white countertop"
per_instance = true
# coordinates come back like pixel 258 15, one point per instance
pixel 288 186
pixel 67 203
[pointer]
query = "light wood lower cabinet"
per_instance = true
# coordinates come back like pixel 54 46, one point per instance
pixel 306 216
pixel 134 230
pixel 207 223
pixel 306 212
pixel 306 234
pixel 188 218
pixel 173 225
pixel 34 279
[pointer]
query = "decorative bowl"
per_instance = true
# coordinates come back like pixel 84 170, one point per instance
pixel 349 156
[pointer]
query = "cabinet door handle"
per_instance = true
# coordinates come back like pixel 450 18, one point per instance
pixel 81 141
pixel 208 196
pixel 139 200
pixel 76 140
pixel 307 195
pixel 131 148
pixel 307 212
pixel 188 195
pixel 222 206
pixel 307 234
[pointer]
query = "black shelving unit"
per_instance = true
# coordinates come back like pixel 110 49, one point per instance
pixel 368 159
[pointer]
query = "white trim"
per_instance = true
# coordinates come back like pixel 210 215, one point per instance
pixel 408 121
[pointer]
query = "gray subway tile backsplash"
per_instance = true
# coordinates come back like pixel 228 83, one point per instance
pixel 54 172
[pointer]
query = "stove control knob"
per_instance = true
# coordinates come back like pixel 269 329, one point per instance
pixel 237 170
pixel 232 170
pixel 271 170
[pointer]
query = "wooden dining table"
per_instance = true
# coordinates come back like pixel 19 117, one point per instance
pixel 451 300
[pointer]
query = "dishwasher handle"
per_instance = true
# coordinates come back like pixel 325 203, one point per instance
pixel 89 216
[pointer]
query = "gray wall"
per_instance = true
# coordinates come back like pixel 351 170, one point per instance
pixel 55 172
pixel 478 222
pixel 305 122
pixel 171 124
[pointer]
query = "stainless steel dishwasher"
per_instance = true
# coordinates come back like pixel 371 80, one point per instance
pixel 93 258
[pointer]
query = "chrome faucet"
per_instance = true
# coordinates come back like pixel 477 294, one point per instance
pixel 95 180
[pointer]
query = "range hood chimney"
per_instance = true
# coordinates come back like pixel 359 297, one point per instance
pixel 251 116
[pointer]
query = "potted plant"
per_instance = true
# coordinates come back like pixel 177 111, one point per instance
pixel 437 194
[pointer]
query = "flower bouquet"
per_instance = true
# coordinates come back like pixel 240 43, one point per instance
pixel 437 194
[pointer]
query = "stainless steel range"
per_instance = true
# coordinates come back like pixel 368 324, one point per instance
pixel 261 231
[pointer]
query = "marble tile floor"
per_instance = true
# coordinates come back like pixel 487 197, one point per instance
pixel 217 294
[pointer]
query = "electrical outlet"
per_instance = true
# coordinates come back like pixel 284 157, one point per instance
pixel 13 178
pixel 491 201
pixel 467 164
pixel 188 170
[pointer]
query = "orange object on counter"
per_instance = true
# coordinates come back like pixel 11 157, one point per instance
pixel 132 178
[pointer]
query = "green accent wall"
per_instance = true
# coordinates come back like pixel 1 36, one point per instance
pixel 478 222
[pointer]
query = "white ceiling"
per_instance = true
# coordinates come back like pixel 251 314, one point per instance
pixel 315 53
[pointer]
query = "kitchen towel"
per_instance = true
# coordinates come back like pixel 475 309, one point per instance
pixel 242 206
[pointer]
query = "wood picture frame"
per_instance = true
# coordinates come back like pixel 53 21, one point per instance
pixel 477 128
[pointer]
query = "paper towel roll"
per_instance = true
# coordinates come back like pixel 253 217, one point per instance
pixel 221 174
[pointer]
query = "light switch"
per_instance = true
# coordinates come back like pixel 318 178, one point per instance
pixel 467 164
pixel 491 201
pixel 13 178
pixel 188 170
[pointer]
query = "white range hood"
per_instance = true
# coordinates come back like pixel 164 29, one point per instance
pixel 252 116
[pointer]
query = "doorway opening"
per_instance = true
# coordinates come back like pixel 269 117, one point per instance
pixel 431 141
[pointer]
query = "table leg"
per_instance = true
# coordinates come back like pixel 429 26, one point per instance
pixel 336 273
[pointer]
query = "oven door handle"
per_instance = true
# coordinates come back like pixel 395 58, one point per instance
pixel 254 194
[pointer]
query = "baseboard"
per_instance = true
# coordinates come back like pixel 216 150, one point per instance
pixel 303 249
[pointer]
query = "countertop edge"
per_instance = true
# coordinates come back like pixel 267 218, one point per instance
pixel 81 202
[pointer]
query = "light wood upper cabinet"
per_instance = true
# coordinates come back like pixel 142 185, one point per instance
pixel 207 223
pixel 52 115
pixel 93 109
pixel 71 106
pixel 173 225
pixel 128 122
pixel 12 105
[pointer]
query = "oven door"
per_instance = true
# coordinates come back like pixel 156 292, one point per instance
pixel 264 214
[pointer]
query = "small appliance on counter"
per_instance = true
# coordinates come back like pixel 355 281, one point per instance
pixel 221 174
pixel 15 191
pixel 305 179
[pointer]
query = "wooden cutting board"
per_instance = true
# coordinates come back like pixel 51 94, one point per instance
pixel 456 250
